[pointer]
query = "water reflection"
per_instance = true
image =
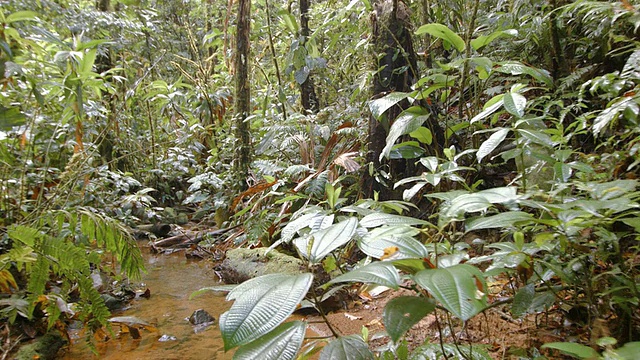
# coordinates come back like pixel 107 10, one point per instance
pixel 171 279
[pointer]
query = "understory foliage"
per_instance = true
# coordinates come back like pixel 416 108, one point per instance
pixel 123 116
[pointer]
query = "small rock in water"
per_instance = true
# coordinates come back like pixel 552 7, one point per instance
pixel 166 337
pixel 200 317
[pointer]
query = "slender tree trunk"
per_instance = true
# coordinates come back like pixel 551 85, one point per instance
pixel 243 95
pixel 308 96
pixel 559 67
pixel 103 5
pixel 108 136
pixel 398 70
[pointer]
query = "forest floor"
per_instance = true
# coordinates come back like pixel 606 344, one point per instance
pixel 503 336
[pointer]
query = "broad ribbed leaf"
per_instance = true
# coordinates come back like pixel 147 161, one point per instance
pixel 501 220
pixel 455 208
pixel 451 351
pixel 283 343
pixel 573 349
pixel 444 33
pixel 261 304
pixel 350 347
pixel 320 243
pixel 379 106
pixel 378 219
pixel 409 121
pixel 522 301
pixel 289 231
pixel 515 103
pixel 629 350
pixel 537 137
pixel 491 143
pixel 483 40
pixel 405 247
pixel 461 205
pixel 516 68
pixel 455 288
pixel 401 313
pixel 490 107
pixel 423 135
pixel 21 16
pixel 381 273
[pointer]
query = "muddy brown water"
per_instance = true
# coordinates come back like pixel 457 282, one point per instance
pixel 171 279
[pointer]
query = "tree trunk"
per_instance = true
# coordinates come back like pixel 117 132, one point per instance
pixel 308 95
pixel 107 138
pixel 243 96
pixel 397 62
pixel 103 5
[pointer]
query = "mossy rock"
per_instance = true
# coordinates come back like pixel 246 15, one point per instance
pixel 44 348
pixel 243 264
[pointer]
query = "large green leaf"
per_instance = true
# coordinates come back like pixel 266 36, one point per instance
pixel 261 304
pixel 501 220
pixel 401 313
pixel 379 218
pixel 489 108
pixel 379 106
pixel 628 351
pixel 350 347
pixel 292 227
pixel 409 121
pixel 423 135
pixel 451 351
pixel 21 16
pixel 320 243
pixel 576 350
pixel 455 208
pixel 537 137
pixel 283 343
pixel 402 246
pixel 484 40
pixel 10 117
pixel 516 68
pixel 381 273
pixel 515 104
pixel 492 143
pixel 444 33
pixel 456 288
pixel 523 300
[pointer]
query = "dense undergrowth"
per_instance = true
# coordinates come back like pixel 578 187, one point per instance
pixel 122 116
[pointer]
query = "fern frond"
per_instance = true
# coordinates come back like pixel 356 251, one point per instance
pixel 295 170
pixel 316 186
pixel 94 310
pixel 113 237
pixel 267 167
pixel 575 78
pixel 37 280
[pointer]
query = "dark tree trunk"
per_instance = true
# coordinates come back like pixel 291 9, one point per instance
pixel 397 62
pixel 243 96
pixel 103 5
pixel 108 136
pixel 308 95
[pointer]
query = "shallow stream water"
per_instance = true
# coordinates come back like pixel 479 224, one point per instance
pixel 171 279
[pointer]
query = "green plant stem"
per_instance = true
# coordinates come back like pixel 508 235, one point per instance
pixel 153 137
pixel 322 314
